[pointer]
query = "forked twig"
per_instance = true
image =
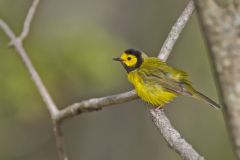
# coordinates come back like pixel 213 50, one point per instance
pixel 16 42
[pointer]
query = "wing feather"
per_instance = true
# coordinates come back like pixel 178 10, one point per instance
pixel 158 73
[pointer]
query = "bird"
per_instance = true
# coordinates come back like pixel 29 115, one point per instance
pixel 156 82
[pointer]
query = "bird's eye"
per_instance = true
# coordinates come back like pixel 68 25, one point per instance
pixel 129 58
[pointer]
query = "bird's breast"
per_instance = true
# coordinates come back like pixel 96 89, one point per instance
pixel 135 79
pixel 150 92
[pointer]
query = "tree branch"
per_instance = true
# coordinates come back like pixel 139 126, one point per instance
pixel 28 20
pixel 95 104
pixel 173 137
pixel 176 31
pixel 36 78
pixel 220 25
pixel 62 154
pixel 7 30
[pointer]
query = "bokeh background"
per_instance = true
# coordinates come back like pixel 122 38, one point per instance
pixel 71 44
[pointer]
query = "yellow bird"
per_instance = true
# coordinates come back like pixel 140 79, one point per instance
pixel 157 83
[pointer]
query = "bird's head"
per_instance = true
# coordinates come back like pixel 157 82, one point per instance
pixel 131 59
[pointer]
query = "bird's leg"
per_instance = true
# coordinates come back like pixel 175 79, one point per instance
pixel 159 108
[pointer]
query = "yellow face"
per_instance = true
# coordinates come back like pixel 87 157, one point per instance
pixel 129 60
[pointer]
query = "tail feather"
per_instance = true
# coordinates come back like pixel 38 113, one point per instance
pixel 201 96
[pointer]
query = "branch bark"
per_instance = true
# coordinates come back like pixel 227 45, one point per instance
pixel 95 104
pixel 176 31
pixel 221 28
pixel 28 20
pixel 172 136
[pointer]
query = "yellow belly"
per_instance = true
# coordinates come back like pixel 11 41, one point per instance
pixel 153 94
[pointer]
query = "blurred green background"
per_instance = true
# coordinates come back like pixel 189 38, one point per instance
pixel 71 44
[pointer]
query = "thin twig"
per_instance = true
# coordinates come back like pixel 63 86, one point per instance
pixel 28 20
pixel 36 78
pixel 7 29
pixel 176 31
pixel 95 104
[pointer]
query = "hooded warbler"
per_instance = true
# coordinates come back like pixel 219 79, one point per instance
pixel 155 82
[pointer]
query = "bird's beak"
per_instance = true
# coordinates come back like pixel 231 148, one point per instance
pixel 117 59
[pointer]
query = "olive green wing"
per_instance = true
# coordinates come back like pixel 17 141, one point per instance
pixel 153 63
pixel 156 72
